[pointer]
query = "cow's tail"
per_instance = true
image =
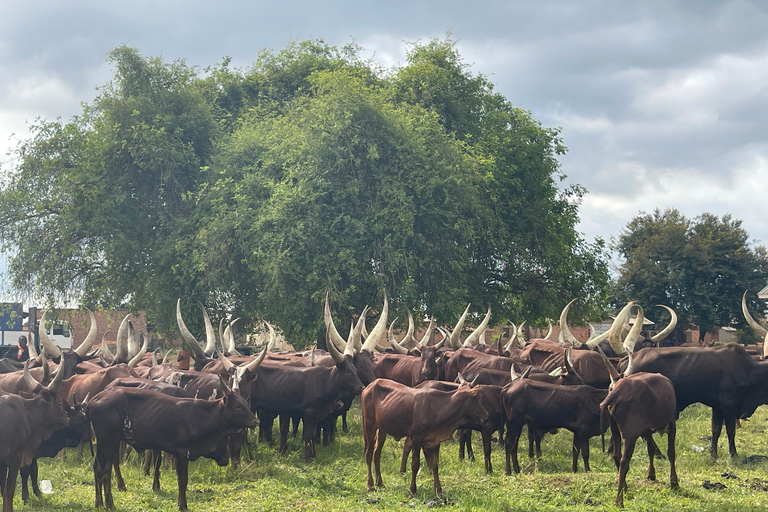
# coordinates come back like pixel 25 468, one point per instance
pixel 89 430
pixel 603 418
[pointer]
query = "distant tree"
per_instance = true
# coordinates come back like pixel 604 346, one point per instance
pixel 700 267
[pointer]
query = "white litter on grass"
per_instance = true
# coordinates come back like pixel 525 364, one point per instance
pixel 697 449
pixel 46 487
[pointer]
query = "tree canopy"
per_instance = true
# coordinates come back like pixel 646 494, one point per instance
pixel 700 266
pixel 255 191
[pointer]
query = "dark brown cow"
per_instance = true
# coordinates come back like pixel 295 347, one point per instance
pixel 147 420
pixel 468 360
pixel 490 398
pixel 546 407
pixel 410 370
pixel 725 378
pixel 637 406
pixel 549 355
pixel 24 424
pixel 427 416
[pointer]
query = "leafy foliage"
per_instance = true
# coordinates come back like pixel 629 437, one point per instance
pixel 700 267
pixel 257 190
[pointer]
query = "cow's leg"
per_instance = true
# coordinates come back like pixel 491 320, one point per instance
pixel 119 475
pixel 531 440
pixel 102 472
pixel 462 442
pixel 33 471
pixel 10 487
pixel 3 474
pixel 284 426
pixel 511 442
pixel 501 435
pixel 309 439
pixel 432 456
pixel 576 449
pixel 486 435
pixel 25 472
pixel 730 429
pixel 537 436
pixel 157 458
pixel 406 450
pixel 717 427
pixel 415 462
pixel 585 451
pixel 344 426
pixel 148 462
pixel 182 474
pixel 470 451
pixel 629 448
pixel 648 437
pixel 671 432
pixel 615 441
pixel 381 436
pixel 296 420
pixel 369 443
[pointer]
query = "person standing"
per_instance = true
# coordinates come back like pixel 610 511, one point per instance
pixel 23 351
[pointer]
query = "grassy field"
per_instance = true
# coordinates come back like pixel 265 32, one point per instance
pixel 337 479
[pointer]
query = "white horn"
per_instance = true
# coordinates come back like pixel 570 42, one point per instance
pixel 338 342
pixel 379 329
pixel 474 338
pixel 455 338
pixel 87 343
pixel 51 349
pixel 669 328
pixel 564 330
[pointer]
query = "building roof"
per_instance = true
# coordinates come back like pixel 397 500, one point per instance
pixel 763 294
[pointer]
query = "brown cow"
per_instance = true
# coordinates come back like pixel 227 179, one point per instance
pixel 637 406
pixel 427 416
pixel 24 424
pixel 547 406
pixel 185 427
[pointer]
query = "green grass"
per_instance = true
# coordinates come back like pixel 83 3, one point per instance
pixel 337 478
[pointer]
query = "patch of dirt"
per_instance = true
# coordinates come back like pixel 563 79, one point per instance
pixel 755 459
pixel 758 485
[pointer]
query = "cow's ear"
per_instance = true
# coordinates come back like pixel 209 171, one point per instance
pixel 416 352
pixel 46 395
pixel 225 400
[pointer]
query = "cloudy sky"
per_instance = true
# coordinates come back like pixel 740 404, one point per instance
pixel 661 103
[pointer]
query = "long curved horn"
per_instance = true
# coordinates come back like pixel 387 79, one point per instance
pixel 335 354
pixel 634 333
pixel 53 387
pixel 210 336
pixel 569 364
pixel 87 343
pixel 564 330
pixel 46 372
pixel 424 341
pixel 512 340
pixel 45 340
pixel 29 382
pixel 225 362
pixel 357 332
pixel 31 346
pixel 474 338
pixel 251 367
pixel 338 342
pixel 133 343
pixel 592 332
pixel 549 332
pixel 759 329
pixel 229 338
pixel 455 338
pixel 379 329
pixel 669 328
pixel 222 338
pixel 611 370
pixel 105 350
pixel 445 337
pixel 122 340
pixel 154 358
pixel 138 357
pixel 765 347
pixel 396 347
pixel 409 342
pixel 593 341
pixel 165 357
pixel 614 333
pixel 197 350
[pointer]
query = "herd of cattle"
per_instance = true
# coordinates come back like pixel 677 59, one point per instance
pixel 416 389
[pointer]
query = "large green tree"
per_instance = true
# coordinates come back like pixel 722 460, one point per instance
pixel 700 266
pixel 257 190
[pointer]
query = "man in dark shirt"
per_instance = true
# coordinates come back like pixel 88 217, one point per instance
pixel 22 353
